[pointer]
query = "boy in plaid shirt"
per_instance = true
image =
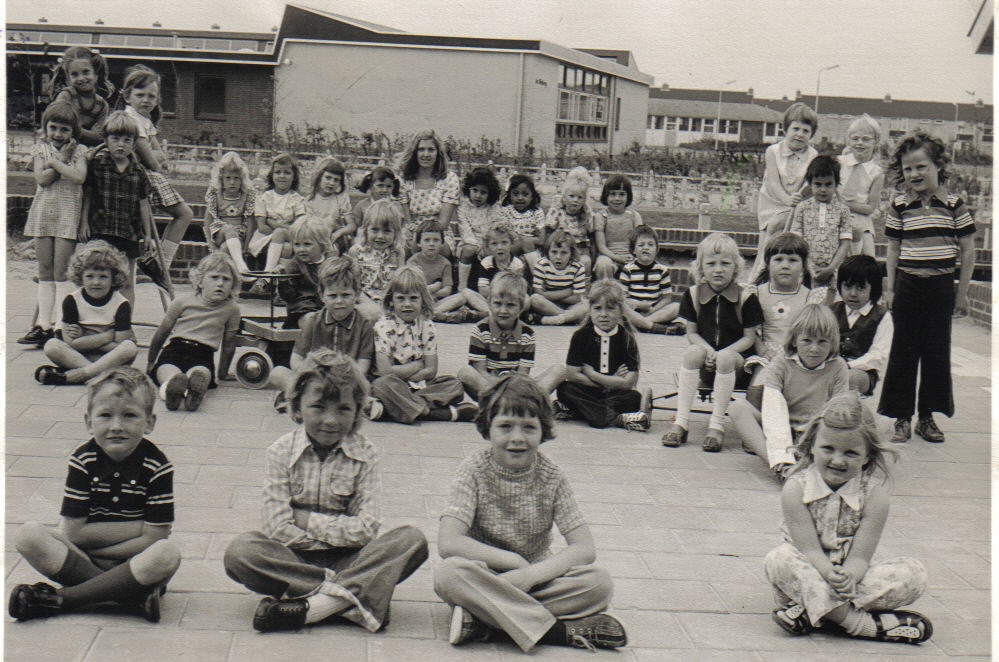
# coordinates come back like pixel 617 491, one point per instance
pixel 319 552
pixel 116 195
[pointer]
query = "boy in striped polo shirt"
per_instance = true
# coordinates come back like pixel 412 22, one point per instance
pixel 501 343
pixel 559 282
pixel 927 229
pixel 650 307
pixel 117 511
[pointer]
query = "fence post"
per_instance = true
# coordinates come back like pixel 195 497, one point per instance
pixel 704 216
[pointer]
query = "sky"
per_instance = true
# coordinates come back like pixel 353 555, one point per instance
pixel 911 49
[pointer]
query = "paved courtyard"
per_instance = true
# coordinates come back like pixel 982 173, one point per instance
pixel 682 532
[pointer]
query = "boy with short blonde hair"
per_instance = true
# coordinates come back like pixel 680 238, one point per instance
pixel 117 512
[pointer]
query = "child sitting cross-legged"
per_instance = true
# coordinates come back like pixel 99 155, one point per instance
pixel 436 269
pixel 501 343
pixel 601 368
pixel 318 552
pixel 835 510
pixel 498 570
pixel 96 333
pixel 338 325
pixel 408 386
pixel 117 510
pixel 650 306
pixel 559 282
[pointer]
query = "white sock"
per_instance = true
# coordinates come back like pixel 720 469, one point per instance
pixel 46 303
pixel 685 395
pixel 859 623
pixel 63 289
pixel 322 606
pixel 236 253
pixel 722 394
pixel 168 249
pixel 163 389
pixel 273 256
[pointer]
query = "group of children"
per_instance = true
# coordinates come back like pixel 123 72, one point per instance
pixel 365 283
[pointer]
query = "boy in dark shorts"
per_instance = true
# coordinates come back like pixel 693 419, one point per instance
pixel 117 512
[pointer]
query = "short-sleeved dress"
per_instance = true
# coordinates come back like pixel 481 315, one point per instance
pixel 617 229
pixel 425 204
pixel 162 193
pixel 281 209
pixel 837 516
pixel 55 211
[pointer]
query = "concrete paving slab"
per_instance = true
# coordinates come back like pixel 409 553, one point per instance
pixel 682 532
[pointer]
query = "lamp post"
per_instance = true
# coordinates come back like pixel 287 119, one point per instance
pixel 953 154
pixel 818 84
pixel 974 124
pixel 718 114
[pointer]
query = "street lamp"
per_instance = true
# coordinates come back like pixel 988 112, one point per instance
pixel 974 123
pixel 818 84
pixel 718 114
pixel 953 154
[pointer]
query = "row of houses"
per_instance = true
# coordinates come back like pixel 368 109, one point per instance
pixel 319 71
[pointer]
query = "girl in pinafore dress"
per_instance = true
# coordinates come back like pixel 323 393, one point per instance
pixel 834 512
pixel 81 80
pixel 60 166
pixel 231 199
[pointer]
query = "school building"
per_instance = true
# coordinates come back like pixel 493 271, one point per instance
pixel 679 116
pixel 318 71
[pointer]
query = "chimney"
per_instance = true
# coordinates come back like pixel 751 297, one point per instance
pixel 887 98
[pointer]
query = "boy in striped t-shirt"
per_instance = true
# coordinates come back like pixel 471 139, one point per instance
pixel 559 282
pixel 650 307
pixel 117 511
pixel 927 229
pixel 501 343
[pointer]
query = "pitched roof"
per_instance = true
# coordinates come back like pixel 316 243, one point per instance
pixel 746 112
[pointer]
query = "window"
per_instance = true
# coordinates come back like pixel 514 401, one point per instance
pixel 582 105
pixel 617 114
pixel 652 122
pixel 659 121
pixel 209 98
pixel 168 91
pixel 684 123
pixel 671 123
pixel 709 126
pixel 695 123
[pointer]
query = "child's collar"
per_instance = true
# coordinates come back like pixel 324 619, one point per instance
pixel 863 310
pixel 706 293
pixel 786 150
pixel 814 488
pixel 606 334
pixel 797 359
pixel 351 445
pixel 512 333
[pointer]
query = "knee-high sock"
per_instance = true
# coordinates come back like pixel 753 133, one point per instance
pixel 46 304
pixel 168 249
pixel 685 395
pixel 117 584
pixel 236 253
pixel 63 289
pixel 724 385
pixel 273 256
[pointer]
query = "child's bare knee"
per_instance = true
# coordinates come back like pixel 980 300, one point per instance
pixel 30 538
pixel 157 562
pixel 728 361
pixel 694 357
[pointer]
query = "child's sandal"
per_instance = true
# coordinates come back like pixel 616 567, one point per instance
pixel 794 620
pixel 675 437
pixel 713 441
pixel 912 627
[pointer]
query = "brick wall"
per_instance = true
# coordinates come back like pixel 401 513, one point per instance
pixel 980 302
pixel 249 93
